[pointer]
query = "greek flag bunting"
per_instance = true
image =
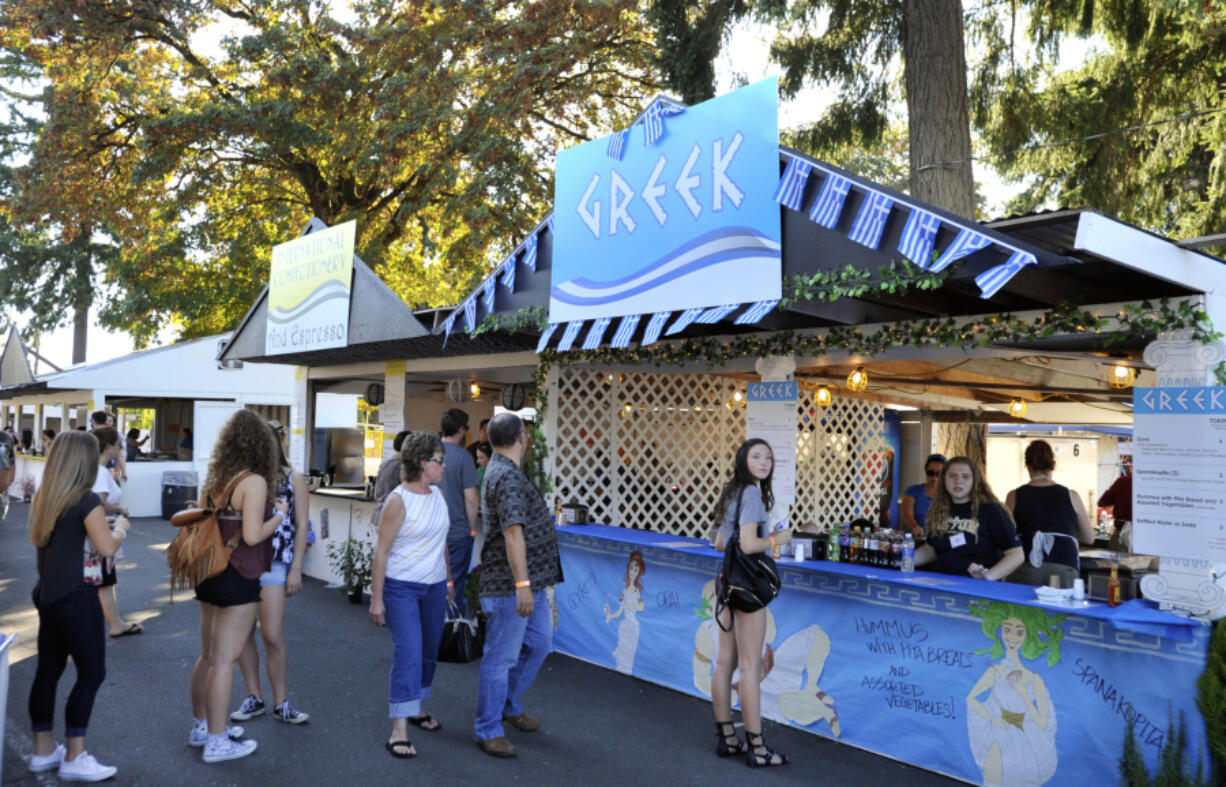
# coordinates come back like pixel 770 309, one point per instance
pixel 549 223
pixel 791 190
pixel 625 329
pixel 918 236
pixel 652 332
pixel 829 204
pixel 653 120
pixel 596 333
pixel 681 323
pixel 716 313
pixel 568 337
pixel 448 324
pixel 530 252
pixel 870 221
pixel 470 314
pixel 544 341
pixel 991 280
pixel 617 143
pixel 508 273
pixel 756 312
pixel 967 242
pixel 488 295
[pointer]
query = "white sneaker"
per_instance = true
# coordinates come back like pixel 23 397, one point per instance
pixel 45 762
pixel 85 769
pixel 221 748
pixel 200 734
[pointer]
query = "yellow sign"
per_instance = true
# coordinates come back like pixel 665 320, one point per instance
pixel 308 291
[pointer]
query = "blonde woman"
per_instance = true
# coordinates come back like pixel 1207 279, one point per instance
pixel 246 450
pixel 969 532
pixel 65 512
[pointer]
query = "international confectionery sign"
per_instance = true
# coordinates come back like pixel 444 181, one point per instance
pixel 676 212
pixel 308 292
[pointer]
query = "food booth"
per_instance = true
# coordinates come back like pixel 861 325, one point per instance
pixel 669 339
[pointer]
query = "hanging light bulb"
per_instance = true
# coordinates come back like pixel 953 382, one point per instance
pixel 736 396
pixel 1121 376
pixel 474 390
pixel 1017 408
pixel 857 380
pixel 824 397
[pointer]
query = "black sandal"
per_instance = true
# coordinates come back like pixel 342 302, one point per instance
pixel 401 750
pixel 729 744
pixel 759 755
pixel 426 722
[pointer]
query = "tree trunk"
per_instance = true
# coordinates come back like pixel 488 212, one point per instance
pixel 965 439
pixel 80 332
pixel 939 129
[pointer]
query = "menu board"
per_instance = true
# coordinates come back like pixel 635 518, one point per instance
pixel 1179 472
pixel 770 414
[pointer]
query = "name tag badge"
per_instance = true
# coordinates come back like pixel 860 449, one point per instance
pixel 957 540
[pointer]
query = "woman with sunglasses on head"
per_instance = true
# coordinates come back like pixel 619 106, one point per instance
pixel 917 499
pixel 411 585
pixel 742 507
pixel 969 532
pixel 65 512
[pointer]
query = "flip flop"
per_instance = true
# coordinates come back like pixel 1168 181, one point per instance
pixel 133 628
pixel 400 749
pixel 425 721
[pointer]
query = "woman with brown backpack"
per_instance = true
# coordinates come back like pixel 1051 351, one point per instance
pixel 239 486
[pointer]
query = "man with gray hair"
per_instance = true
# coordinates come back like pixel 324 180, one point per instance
pixel 518 563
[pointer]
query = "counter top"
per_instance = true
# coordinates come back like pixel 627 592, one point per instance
pixel 358 495
pixel 1139 615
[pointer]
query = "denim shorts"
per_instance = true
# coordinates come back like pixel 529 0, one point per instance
pixel 274 575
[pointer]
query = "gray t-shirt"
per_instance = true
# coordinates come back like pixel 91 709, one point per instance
pixel 752 513
pixel 459 473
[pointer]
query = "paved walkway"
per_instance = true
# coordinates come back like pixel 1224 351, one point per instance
pixel 598 727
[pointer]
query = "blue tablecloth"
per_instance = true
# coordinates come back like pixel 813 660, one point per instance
pixel 973 672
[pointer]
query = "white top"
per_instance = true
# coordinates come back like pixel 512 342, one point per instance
pixel 105 484
pixel 419 553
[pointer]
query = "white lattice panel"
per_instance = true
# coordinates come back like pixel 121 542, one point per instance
pixel 652 450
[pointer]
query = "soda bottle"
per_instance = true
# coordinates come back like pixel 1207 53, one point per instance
pixel 832 546
pixel 1113 588
pixel 908 554
pixel 874 548
pixel 855 545
pixel 895 552
pixel 844 545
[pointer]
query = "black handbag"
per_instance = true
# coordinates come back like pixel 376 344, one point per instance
pixel 461 641
pixel 748 582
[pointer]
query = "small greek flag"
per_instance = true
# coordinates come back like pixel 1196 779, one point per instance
pixel 716 313
pixel 508 273
pixel 918 236
pixel 617 143
pixel 596 333
pixel 625 329
pixel 488 295
pixel 756 312
pixel 870 221
pixel 470 314
pixel 653 120
pixel 568 338
pixel 829 204
pixel 549 223
pixel 967 242
pixel 530 252
pixel 652 332
pixel 791 190
pixel 448 324
pixel 991 280
pixel 544 342
pixel 681 323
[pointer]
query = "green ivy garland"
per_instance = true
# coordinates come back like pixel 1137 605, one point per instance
pixel 534 317
pixel 852 282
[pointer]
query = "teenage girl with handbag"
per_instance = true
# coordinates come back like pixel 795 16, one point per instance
pixel 742 634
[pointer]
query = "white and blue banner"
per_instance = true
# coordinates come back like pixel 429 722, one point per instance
pixel 680 221
pixel 977 680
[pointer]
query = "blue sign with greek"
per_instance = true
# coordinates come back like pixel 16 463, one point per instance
pixel 1194 400
pixel 677 215
pixel 773 392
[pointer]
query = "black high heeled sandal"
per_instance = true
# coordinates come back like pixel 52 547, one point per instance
pixel 759 755
pixel 724 748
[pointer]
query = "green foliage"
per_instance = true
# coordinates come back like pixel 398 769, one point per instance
pixel 353 559
pixel 894 278
pixel 1211 699
pixel 1174 768
pixel 1133 772
pixel 688 37
pixel 530 317
pixel 432 124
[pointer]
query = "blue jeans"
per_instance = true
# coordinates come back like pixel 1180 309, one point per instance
pixel 414 614
pixel 515 648
pixel 460 554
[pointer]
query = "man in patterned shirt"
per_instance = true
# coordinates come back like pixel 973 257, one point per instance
pixel 518 562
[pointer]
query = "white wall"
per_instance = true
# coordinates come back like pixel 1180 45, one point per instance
pixel 1076 464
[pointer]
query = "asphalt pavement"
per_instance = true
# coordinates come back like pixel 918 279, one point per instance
pixel 597 726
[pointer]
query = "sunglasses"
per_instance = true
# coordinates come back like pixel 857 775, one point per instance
pixel 436 459
pixel 932 473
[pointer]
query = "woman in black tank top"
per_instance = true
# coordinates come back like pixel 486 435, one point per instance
pixel 1051 515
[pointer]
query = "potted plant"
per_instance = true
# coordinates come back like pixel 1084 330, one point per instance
pixel 353 559
pixel 28 486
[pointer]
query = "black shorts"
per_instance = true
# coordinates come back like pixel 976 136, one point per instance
pixel 109 577
pixel 229 589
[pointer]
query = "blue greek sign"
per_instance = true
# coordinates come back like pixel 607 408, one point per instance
pixel 678 218
pixel 773 392
pixel 1190 400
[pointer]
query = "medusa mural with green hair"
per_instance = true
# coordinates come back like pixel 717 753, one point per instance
pixel 1043 632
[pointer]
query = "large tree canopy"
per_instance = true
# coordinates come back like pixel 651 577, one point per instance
pixel 433 124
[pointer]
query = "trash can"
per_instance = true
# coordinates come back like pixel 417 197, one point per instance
pixel 178 487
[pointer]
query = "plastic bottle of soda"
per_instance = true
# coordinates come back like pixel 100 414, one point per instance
pixel 832 546
pixel 855 545
pixel 908 553
pixel 844 545
pixel 896 552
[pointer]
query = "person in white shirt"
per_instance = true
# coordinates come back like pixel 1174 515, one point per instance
pixel 108 489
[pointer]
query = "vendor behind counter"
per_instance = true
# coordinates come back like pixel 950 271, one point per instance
pixel 969 532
